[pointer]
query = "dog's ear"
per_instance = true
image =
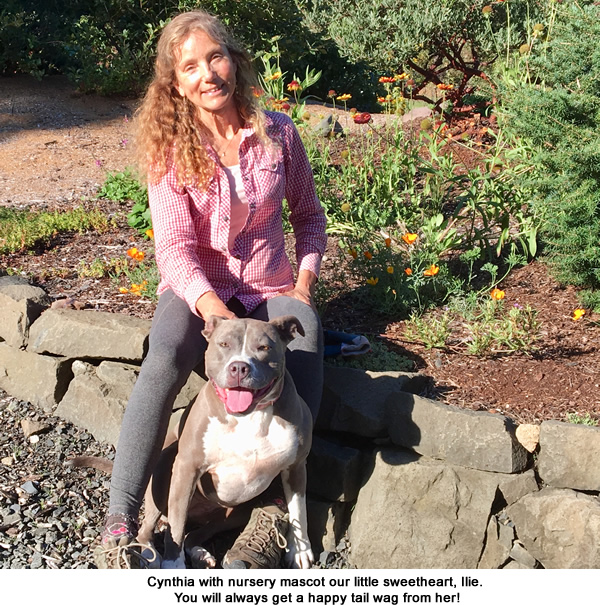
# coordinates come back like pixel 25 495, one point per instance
pixel 287 326
pixel 211 325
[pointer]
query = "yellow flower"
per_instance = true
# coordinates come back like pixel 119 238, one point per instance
pixel 409 238
pixel 408 271
pixel 372 281
pixel 432 271
pixel 344 97
pixel 345 207
pixel 390 270
pixel 150 233
pixel 497 294
pixel 276 75
pixel 345 154
pixel 578 314
pixel 123 290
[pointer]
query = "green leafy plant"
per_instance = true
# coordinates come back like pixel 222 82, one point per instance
pixel 380 359
pixel 432 331
pixel 122 187
pixel 585 419
pixel 556 109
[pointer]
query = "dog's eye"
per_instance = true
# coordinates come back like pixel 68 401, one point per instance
pixel 264 348
pixel 223 344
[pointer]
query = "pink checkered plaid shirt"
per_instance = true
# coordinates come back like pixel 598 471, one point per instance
pixel 191 227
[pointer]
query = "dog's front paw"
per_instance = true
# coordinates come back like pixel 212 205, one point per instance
pixel 299 555
pixel 178 563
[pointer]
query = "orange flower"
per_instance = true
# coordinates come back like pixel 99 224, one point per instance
pixel 368 255
pixel 443 86
pixel 123 290
pixel 408 271
pixel 135 254
pixel 372 281
pixel 578 314
pixel 432 271
pixel 409 238
pixel 497 294
pixel 353 253
pixel 294 85
pixel 150 233
pixel 386 79
pixel 390 270
pixel 344 97
pixel 331 93
pixel 388 242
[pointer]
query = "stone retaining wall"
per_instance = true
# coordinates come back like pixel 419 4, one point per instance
pixel 415 483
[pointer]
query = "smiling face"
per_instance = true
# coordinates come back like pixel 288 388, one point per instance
pixel 205 74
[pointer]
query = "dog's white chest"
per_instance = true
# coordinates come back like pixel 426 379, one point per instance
pixel 244 459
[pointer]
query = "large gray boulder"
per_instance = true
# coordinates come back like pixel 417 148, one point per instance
pixel 39 379
pixel 477 440
pixel 89 335
pixel 418 513
pixel 559 527
pixel 569 455
pixel 20 305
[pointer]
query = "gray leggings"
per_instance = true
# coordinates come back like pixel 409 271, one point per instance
pixel 176 347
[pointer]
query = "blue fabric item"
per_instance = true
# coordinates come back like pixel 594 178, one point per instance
pixel 346 345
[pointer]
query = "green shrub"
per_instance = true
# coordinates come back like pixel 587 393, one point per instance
pixel 448 43
pixel 558 111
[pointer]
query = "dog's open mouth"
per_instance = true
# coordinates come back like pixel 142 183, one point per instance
pixel 237 399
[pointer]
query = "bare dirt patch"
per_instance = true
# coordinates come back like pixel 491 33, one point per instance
pixel 56 147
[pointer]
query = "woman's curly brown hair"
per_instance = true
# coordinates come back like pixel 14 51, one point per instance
pixel 167 126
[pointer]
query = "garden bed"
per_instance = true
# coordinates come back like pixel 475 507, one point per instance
pixel 56 147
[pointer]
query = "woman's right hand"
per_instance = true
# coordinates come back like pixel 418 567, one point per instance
pixel 210 304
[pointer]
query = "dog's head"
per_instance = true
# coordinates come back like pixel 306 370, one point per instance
pixel 245 360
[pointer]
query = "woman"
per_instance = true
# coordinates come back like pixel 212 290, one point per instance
pixel 218 169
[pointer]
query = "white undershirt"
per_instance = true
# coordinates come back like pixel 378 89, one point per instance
pixel 239 202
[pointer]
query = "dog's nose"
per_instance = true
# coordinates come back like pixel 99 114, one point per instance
pixel 239 369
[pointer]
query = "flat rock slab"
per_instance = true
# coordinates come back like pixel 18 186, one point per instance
pixel 478 440
pixel 20 305
pixel 569 455
pixel 354 400
pixel 40 379
pixel 559 527
pixel 89 335
pixel 97 397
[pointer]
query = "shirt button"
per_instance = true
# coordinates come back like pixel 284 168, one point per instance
pixel 237 256
pixel 226 218
pixel 224 248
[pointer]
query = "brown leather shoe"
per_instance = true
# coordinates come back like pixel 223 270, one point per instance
pixel 261 544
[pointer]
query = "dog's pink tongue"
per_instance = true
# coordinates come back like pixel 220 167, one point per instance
pixel 238 400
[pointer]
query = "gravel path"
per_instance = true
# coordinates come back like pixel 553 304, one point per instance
pixel 49 513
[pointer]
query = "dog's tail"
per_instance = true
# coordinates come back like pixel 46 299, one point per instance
pixel 102 464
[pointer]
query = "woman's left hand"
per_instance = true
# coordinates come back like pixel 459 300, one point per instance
pixel 305 288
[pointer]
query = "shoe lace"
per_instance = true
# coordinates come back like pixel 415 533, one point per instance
pixel 123 554
pixel 267 526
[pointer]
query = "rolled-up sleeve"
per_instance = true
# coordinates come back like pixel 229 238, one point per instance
pixel 307 216
pixel 176 244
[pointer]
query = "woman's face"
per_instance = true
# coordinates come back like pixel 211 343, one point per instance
pixel 205 74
